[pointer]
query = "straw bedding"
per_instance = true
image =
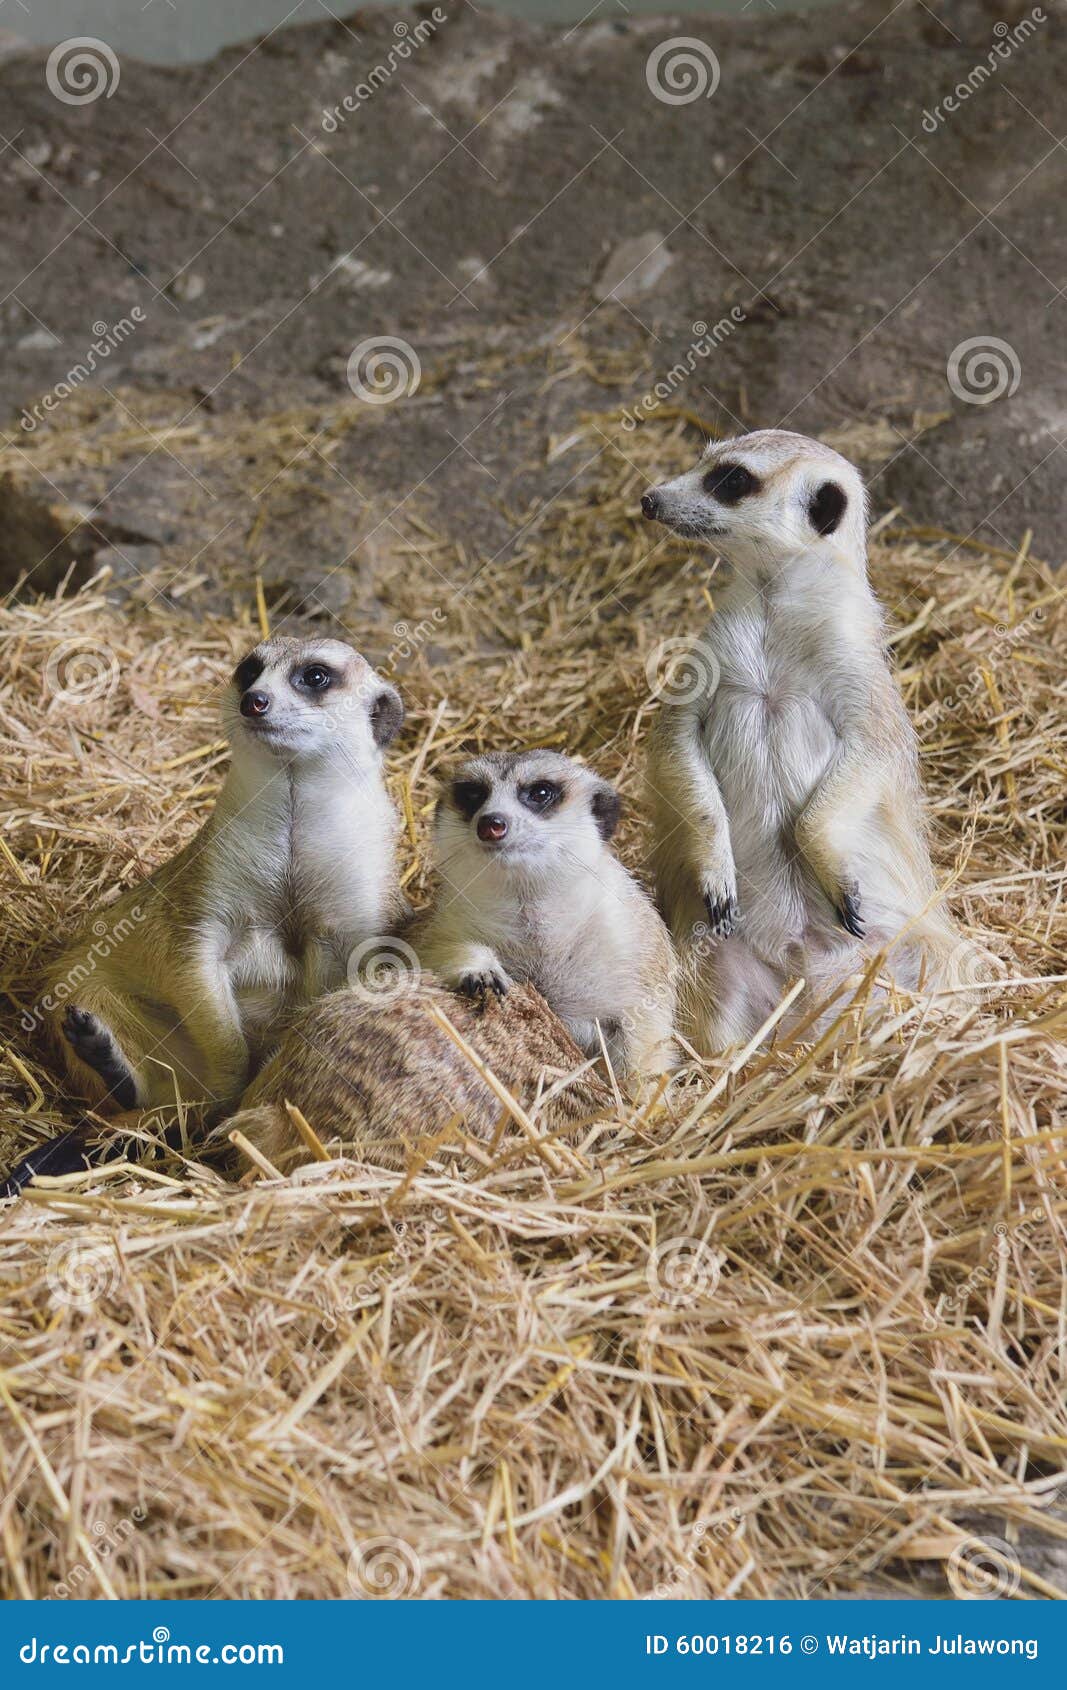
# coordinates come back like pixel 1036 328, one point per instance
pixel 789 1329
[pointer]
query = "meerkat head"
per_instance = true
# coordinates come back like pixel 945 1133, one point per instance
pixel 296 698
pixel 766 497
pixel 532 814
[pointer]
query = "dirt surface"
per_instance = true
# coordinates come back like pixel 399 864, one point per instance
pixel 543 232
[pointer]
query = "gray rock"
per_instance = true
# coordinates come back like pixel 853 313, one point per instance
pixel 634 267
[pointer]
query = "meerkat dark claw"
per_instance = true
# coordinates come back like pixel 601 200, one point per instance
pixel 722 913
pixel 848 913
pixel 95 1045
pixel 479 987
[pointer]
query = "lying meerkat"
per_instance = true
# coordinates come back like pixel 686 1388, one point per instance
pixel 382 1076
pixel 262 909
pixel 788 812
pixel 530 891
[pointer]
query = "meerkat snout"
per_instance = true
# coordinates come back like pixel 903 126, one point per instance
pixel 492 829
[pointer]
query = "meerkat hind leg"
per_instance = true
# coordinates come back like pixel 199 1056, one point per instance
pixel 93 1043
pixel 726 996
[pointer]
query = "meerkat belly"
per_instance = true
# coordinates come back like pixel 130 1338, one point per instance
pixel 769 742
pixel 265 975
pixel 579 972
pixel 291 936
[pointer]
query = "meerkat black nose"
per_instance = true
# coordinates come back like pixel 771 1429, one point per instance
pixel 255 704
pixel 650 505
pixel 492 828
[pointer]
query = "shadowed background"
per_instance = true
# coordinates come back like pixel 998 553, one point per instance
pixel 168 31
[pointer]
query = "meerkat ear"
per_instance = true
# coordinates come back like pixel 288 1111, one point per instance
pixel 386 715
pixel 606 807
pixel 827 506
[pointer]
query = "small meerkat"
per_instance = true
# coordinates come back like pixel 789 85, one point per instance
pixel 261 910
pixel 530 891
pixel 789 820
pixel 383 1075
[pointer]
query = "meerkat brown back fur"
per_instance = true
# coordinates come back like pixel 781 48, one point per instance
pixel 531 891
pixel 789 821
pixel 261 910
pixel 384 1076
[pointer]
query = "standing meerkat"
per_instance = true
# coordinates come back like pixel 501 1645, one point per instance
pixel 530 891
pixel 262 909
pixel 788 812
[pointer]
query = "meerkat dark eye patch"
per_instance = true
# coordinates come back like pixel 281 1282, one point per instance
pixel 607 808
pixel 313 677
pixel 827 506
pixel 730 483
pixel 386 716
pixel 468 796
pixel 540 795
pixel 248 670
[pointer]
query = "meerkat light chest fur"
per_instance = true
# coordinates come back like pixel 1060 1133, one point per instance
pixel 262 909
pixel 789 822
pixel 530 890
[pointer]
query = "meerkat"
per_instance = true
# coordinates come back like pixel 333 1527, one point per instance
pixel 262 909
pixel 790 831
pixel 530 891
pixel 383 1076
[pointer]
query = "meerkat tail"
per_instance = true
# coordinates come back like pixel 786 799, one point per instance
pixel 67 1153
pixel 266 1126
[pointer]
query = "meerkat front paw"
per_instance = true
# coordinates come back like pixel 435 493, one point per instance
pixel 847 910
pixel 479 986
pixel 722 908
